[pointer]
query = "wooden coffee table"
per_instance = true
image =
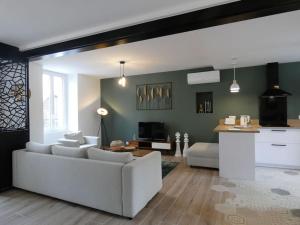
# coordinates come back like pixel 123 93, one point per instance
pixel 135 151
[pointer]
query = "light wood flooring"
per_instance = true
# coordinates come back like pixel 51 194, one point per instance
pixel 185 199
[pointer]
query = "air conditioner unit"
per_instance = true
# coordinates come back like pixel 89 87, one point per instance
pixel 204 77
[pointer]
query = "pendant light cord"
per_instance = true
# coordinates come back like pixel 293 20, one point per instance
pixel 234 71
pixel 234 66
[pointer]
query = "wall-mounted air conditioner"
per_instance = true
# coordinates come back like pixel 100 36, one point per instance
pixel 204 77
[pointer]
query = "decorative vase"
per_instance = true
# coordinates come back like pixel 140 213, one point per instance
pixel 178 151
pixel 186 144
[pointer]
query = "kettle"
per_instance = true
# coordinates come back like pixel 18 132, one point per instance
pixel 244 120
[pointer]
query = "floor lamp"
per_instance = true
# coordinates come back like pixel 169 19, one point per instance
pixel 102 112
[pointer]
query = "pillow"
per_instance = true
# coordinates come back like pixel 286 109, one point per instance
pixel 68 151
pixel 99 154
pixel 38 148
pixel 78 136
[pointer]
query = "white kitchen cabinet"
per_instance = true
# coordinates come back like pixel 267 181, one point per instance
pixel 278 135
pixel 237 155
pixel 278 147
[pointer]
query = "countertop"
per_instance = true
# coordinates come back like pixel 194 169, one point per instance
pixel 233 128
pixel 254 127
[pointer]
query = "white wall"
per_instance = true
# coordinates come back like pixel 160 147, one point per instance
pixel 88 103
pixel 83 101
pixel 72 102
pixel 36 103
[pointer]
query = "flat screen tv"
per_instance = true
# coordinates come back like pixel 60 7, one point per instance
pixel 153 131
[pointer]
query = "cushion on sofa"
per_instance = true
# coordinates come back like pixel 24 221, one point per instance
pixel 38 148
pixel 75 136
pixel 205 150
pixel 68 151
pixel 99 154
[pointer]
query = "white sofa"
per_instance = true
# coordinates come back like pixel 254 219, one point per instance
pixel 203 155
pixel 89 141
pixel 118 188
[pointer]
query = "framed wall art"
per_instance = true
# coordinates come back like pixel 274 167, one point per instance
pixel 154 96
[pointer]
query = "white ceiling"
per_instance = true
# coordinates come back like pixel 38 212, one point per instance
pixel 33 23
pixel 253 42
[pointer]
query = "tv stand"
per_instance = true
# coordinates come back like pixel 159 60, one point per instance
pixel 164 147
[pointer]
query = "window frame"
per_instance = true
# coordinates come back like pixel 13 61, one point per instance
pixel 52 74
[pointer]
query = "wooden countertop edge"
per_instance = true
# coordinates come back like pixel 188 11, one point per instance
pixel 294 124
pixel 217 130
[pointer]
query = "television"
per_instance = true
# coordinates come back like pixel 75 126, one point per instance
pixel 152 131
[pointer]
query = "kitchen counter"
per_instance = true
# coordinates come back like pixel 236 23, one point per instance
pixel 241 149
pixel 235 128
pixel 254 127
pixel 293 124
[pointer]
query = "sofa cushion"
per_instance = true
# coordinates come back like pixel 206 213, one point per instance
pixel 99 154
pixel 75 136
pixel 68 151
pixel 86 146
pixel 38 148
pixel 205 150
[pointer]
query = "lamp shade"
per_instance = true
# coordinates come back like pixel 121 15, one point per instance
pixel 102 111
pixel 122 81
pixel 235 87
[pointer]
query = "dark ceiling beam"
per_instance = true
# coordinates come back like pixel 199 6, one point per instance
pixel 8 51
pixel 214 16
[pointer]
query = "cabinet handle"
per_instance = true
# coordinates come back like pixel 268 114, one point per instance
pixel 279 130
pixel 279 145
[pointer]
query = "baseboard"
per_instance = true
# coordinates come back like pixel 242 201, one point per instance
pixel 277 166
pixel 5 189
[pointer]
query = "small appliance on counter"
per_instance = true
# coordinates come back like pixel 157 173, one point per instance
pixel 230 120
pixel 244 120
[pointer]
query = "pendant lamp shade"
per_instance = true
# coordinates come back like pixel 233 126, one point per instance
pixel 122 80
pixel 234 87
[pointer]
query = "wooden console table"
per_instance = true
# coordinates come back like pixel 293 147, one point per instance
pixel 144 147
pixel 164 147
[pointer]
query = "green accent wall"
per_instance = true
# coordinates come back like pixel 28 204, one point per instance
pixel 123 118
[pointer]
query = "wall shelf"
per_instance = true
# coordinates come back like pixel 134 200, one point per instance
pixel 204 102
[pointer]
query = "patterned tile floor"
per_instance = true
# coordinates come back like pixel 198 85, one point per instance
pixel 272 199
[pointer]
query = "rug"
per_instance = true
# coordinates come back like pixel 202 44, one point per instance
pixel 272 199
pixel 167 167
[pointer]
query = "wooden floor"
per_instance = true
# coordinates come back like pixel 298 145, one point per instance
pixel 185 199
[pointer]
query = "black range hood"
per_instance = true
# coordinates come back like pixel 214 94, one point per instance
pixel 273 89
pixel 273 102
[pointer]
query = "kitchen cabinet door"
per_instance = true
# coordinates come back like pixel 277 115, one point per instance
pixel 278 154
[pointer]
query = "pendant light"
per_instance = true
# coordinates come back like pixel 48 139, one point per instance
pixel 122 80
pixel 234 87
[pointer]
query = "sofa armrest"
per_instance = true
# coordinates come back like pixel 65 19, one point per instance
pixel 92 140
pixel 68 142
pixel 142 180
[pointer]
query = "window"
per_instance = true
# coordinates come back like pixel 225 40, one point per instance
pixel 54 101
